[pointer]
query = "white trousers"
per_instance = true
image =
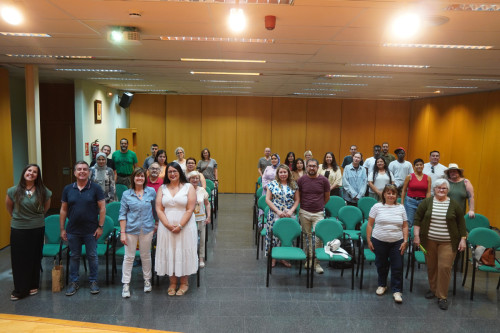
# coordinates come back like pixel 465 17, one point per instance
pixel 145 252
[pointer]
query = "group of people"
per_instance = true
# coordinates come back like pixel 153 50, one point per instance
pixel 433 202
pixel 175 206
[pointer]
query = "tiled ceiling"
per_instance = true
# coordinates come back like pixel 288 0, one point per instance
pixel 312 38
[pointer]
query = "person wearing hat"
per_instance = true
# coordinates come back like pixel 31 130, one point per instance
pixel 103 175
pixel 460 188
pixel 400 168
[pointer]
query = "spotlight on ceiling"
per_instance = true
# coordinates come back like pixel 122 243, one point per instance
pixel 11 15
pixel 406 25
pixel 237 20
pixel 123 35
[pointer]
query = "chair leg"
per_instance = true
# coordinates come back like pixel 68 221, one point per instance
pixel 473 279
pixel 268 269
pixel 412 271
pixel 258 247
pixel 466 268
pixel 402 270
pixel 107 273
pixel 206 242
pixel 362 263
pixel 455 264
pixel 352 276
pixel 498 284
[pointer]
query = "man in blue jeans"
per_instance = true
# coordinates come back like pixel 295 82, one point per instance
pixel 84 205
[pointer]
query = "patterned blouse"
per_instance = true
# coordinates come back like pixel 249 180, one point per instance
pixel 282 197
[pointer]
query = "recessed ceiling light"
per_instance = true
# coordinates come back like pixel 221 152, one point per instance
pixel 480 79
pixel 12 15
pixel 115 79
pixel 237 20
pixel 312 94
pixel 390 65
pixel 406 25
pixel 90 70
pixel 451 87
pixel 217 39
pixel 24 34
pixel 490 7
pixel 342 84
pixel 224 73
pixel 224 60
pixel 48 56
pixel 331 76
pixel 440 46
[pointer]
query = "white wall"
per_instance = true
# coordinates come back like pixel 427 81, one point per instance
pixel 113 117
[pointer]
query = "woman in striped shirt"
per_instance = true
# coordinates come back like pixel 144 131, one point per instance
pixel 388 240
pixel 439 225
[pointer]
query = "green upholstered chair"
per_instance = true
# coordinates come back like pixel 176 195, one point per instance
pixel 328 230
pixel 489 239
pixel 53 246
pixel 365 254
pixel 479 221
pixel 120 188
pixel 263 233
pixel 333 206
pixel 287 230
pixel 366 204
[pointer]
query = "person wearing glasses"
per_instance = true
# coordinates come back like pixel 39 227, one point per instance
pixel 180 153
pixel 177 237
pixel 433 168
pixel 439 226
pixel 314 193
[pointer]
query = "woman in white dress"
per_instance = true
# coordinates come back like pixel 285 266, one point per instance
pixel 176 249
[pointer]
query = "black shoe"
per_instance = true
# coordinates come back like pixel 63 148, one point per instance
pixel 443 304
pixel 72 288
pixel 429 294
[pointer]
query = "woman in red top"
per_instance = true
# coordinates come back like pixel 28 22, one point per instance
pixel 416 188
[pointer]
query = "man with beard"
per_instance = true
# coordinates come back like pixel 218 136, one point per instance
pixel 314 194
pixel 125 163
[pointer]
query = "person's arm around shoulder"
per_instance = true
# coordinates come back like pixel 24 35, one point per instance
pixel 470 197
pixel 405 188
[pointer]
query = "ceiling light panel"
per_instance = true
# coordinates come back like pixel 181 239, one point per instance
pixel 224 60
pixel 224 73
pixel 48 56
pixel 440 46
pixel 217 39
pixel 24 34
pixel 90 70
pixel 391 65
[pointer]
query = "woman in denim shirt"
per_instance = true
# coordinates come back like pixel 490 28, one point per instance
pixel 137 224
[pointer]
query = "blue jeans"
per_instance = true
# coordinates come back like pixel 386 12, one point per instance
pixel 411 207
pixel 388 255
pixel 75 243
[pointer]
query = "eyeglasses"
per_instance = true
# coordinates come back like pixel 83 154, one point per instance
pixel 171 172
pixel 312 166
pixel 432 168
pixel 442 188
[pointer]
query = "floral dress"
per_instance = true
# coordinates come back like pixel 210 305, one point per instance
pixel 283 198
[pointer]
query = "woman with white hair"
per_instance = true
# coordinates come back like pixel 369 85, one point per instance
pixel 439 226
pixel 180 153
pixel 201 211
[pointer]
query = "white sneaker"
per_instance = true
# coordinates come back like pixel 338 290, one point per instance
pixel 126 290
pixel 381 290
pixel 318 269
pixel 202 264
pixel 398 297
pixel 147 286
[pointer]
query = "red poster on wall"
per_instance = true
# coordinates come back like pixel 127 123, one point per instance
pixel 86 149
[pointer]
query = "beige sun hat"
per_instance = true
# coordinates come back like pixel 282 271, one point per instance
pixel 454 166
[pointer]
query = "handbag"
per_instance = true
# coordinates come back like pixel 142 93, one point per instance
pixel 57 277
pixel 488 257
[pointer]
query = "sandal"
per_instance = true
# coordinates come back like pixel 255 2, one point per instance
pixel 33 292
pixel 171 290
pixel 182 290
pixel 273 263
pixel 286 263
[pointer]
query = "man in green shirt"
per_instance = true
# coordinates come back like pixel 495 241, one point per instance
pixel 125 163
pixel 388 157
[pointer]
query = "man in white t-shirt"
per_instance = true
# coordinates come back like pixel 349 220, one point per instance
pixel 400 168
pixel 434 169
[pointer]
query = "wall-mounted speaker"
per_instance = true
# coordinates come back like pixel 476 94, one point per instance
pixel 126 99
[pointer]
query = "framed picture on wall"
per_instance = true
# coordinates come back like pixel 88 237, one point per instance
pixel 97 111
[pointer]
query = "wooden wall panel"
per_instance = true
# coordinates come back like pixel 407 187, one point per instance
pixel 6 167
pixel 392 119
pixel 418 132
pixel 323 127
pixel 358 126
pixel 147 115
pixel 253 135
pixel 486 188
pixel 288 129
pixel 183 126
pixel 218 133
pixel 440 127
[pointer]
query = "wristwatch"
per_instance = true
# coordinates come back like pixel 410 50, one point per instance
pixel 100 226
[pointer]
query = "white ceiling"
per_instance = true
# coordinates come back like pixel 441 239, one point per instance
pixel 312 38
